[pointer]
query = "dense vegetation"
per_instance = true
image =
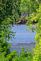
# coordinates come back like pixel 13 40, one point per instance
pixel 10 13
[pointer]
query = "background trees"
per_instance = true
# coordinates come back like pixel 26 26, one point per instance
pixel 10 12
pixel 37 18
pixel 28 6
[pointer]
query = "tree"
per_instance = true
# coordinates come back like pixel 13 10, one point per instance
pixel 36 17
pixel 10 9
pixel 16 10
pixel 5 22
pixel 28 6
pixel 5 9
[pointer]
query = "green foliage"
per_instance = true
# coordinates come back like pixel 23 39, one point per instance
pixel 5 9
pixel 13 56
pixel 3 58
pixel 6 13
pixel 28 6
pixel 5 21
pixel 16 10
pixel 36 17
pixel 10 12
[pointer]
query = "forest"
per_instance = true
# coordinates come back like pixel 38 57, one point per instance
pixel 26 12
